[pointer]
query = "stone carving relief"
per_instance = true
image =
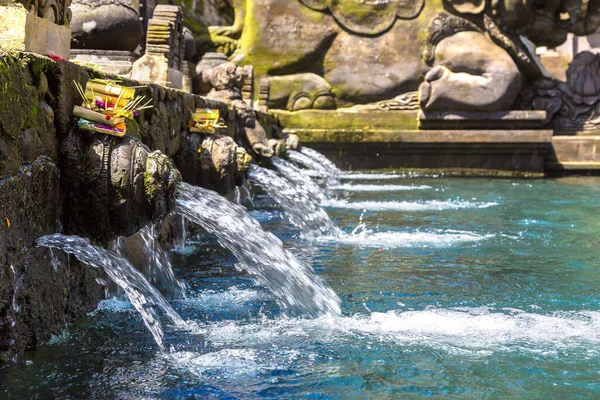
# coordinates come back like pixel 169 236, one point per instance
pixel 105 25
pixel 573 105
pixel 474 57
pixel 367 17
pixel 56 11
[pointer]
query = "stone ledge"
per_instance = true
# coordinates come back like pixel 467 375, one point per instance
pixel 424 136
pixel 573 166
pixel 347 118
pixel 514 119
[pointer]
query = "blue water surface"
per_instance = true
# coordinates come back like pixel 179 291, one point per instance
pixel 462 288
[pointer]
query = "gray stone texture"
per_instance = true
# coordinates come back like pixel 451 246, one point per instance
pixel 105 25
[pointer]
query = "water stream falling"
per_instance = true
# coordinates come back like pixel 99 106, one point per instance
pixel 320 159
pixel 314 168
pixel 157 266
pixel 302 210
pixel 297 289
pixel 138 290
pixel 299 177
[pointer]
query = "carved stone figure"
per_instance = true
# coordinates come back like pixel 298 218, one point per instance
pixel 213 161
pixel 458 54
pixel 573 105
pixel 120 178
pixel 227 82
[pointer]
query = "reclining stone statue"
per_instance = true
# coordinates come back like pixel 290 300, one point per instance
pixel 458 54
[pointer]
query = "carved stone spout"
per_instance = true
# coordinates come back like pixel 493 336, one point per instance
pixel 125 184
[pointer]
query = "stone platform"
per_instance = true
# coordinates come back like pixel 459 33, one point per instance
pixel 363 138
pixel 515 150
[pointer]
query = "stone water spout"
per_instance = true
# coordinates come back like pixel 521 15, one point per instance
pixel 114 186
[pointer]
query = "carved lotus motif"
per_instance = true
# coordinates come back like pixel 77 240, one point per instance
pixel 368 17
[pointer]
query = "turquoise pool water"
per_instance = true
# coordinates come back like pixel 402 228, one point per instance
pixel 464 288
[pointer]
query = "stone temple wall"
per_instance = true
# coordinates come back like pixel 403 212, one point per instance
pixel 44 188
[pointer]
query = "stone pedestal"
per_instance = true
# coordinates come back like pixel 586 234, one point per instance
pixel 152 68
pixel 111 61
pixel 23 31
pixel 162 63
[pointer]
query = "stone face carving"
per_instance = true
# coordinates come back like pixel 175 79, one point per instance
pixel 473 54
pixel 573 105
pixel 105 25
pixel 213 161
pixel 227 82
pixel 121 178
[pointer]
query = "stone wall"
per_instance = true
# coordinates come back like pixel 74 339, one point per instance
pixel 48 184
pixel 39 291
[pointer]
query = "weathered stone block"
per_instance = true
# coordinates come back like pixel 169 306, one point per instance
pixel 23 31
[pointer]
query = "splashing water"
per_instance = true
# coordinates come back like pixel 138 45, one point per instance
pixel 140 293
pixel 297 289
pixel 157 266
pixel 321 160
pixel 299 177
pixel 301 209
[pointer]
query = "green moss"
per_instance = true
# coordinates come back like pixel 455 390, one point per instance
pixel 120 190
pixel 133 128
pixel 149 186
pixel 19 103
pixel 344 120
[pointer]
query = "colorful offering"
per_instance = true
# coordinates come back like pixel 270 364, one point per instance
pixel 106 106
pixel 206 120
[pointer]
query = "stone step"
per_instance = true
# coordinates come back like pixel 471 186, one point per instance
pixel 574 153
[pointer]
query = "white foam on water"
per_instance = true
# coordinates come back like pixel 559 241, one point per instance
pixel 435 205
pixel 378 188
pixel 113 305
pixel 390 239
pixel 476 329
